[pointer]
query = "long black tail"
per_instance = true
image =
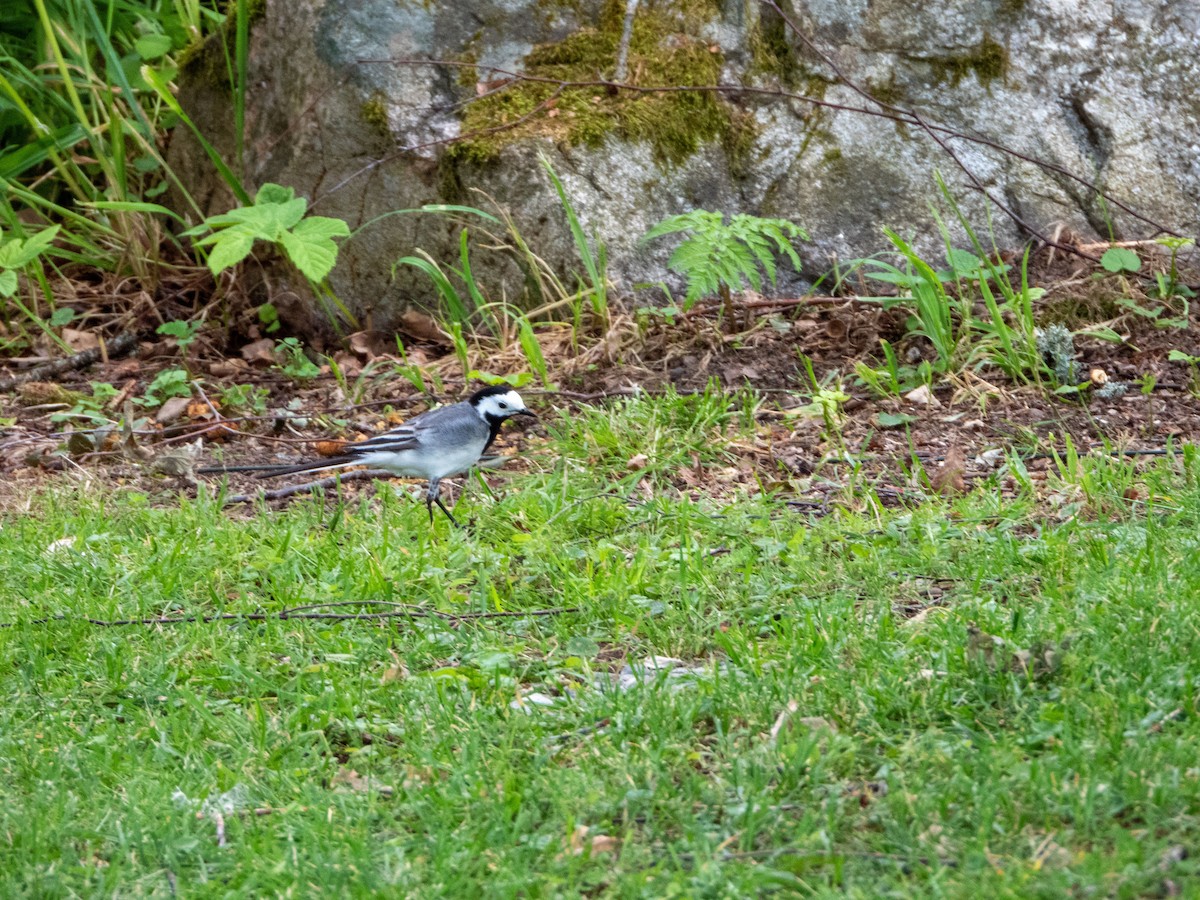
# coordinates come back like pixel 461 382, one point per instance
pixel 275 470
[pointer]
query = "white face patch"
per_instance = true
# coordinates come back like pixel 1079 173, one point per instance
pixel 502 405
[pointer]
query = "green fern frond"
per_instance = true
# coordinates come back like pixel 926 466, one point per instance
pixel 715 254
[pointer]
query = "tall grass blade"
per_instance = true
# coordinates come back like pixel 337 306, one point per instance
pixel 453 301
pixel 594 267
pixel 160 86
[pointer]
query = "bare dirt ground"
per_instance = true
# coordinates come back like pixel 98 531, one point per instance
pixel 969 413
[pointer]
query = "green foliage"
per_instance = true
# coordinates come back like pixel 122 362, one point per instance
pixel 93 410
pixel 277 217
pixel 268 316
pixel 533 351
pixel 166 384
pixel 1193 364
pixel 452 301
pixel 826 404
pixel 81 127
pixel 994 694
pixel 716 256
pixel 1120 259
pixel 184 333
pixel 663 52
pixel 248 399
pixel 296 364
pixel 18 254
pixel 595 264
pixel 892 378
pixel 943 303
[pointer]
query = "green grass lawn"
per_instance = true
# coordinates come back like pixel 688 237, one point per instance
pixel 969 697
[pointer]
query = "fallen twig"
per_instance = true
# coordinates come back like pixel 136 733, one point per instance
pixel 293 489
pixel 119 345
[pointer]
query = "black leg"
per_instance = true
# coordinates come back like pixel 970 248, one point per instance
pixel 453 521
pixel 432 497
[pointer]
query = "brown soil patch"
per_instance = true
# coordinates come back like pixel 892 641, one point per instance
pixel 970 413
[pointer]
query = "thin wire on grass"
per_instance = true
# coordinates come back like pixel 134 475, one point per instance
pixel 397 611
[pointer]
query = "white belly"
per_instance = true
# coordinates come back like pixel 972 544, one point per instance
pixel 424 464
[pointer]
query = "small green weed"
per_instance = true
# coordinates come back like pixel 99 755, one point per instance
pixel 826 404
pixel 1193 364
pixel 245 399
pixel 184 333
pixel 295 362
pixel 166 384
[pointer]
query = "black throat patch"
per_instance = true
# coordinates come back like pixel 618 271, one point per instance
pixel 494 423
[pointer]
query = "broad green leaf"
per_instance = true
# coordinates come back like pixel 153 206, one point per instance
pixel 313 254
pixel 64 315
pixel 8 282
pixel 315 227
pixel 894 420
pixel 1120 259
pixel 152 46
pixel 230 247
pixel 274 193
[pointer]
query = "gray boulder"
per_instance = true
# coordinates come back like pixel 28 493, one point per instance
pixel 345 106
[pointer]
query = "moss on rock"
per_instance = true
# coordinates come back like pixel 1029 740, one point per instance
pixel 374 113
pixel 661 54
pixel 987 61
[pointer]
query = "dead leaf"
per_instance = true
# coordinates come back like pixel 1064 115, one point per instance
pixel 948 479
pixel 395 672
pixel 923 396
pixel 227 368
pixel 637 463
pixel 575 841
pixel 329 448
pixel 817 723
pixel 604 843
pixel 348 364
pixel 371 344
pixel 80 340
pixel 582 838
pixel 198 409
pixel 782 718
pixel 981 645
pixel 125 368
pixel 171 409
pixel 423 327
pixel 260 353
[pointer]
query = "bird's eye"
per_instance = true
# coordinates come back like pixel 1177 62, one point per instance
pixel 503 405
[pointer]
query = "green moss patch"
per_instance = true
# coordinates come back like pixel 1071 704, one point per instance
pixel 661 54
pixel 987 61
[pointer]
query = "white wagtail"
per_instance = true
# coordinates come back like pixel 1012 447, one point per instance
pixel 433 445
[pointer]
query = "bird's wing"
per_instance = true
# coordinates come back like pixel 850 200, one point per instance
pixel 406 437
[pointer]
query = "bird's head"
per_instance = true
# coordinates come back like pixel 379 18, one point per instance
pixel 497 403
